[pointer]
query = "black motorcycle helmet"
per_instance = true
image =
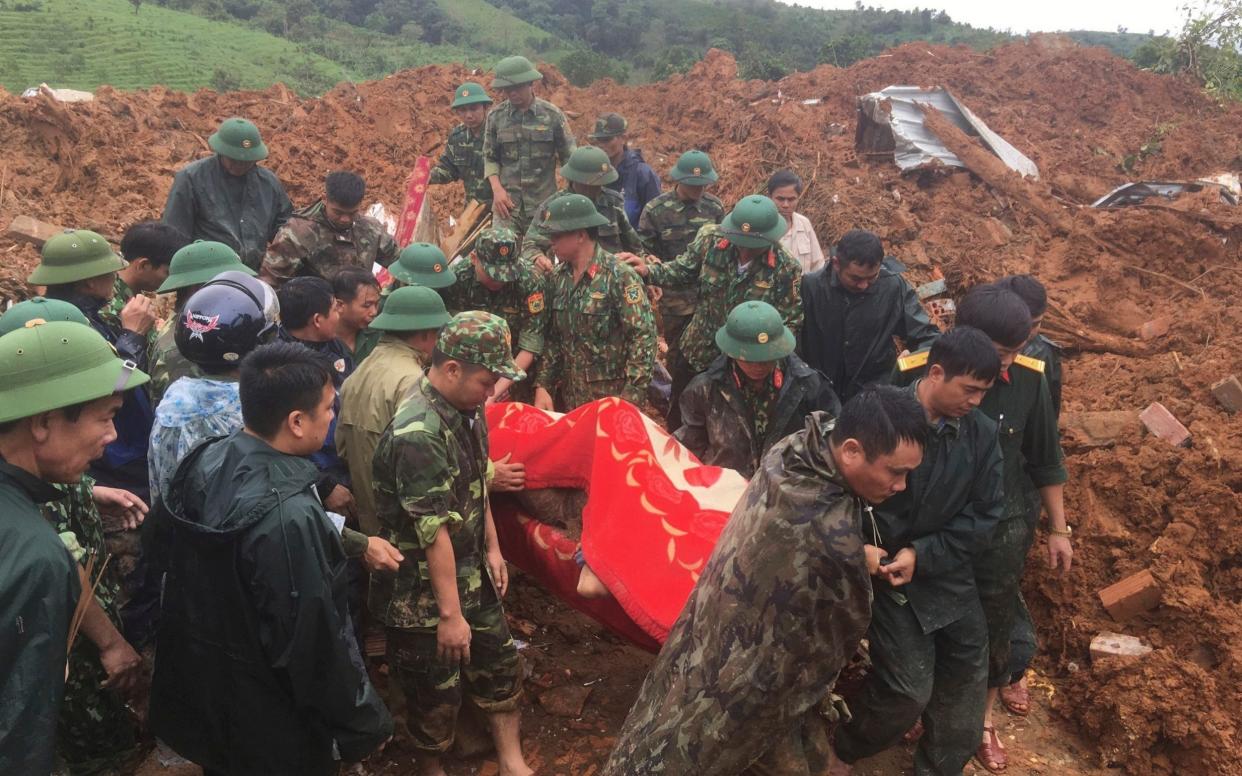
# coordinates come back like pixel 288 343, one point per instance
pixel 226 319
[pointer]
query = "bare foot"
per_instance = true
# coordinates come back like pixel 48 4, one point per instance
pixel 590 586
pixel 519 768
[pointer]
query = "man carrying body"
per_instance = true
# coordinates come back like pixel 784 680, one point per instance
pixel 329 235
pixel 586 172
pixel 495 280
pixel 462 159
pixel 668 225
pixel 228 197
pixel 854 307
pixel 408 330
pixel 523 140
pixel 256 671
pixel 600 337
pixel 61 389
pixel 756 393
pixel 928 635
pixel 739 260
pixel 637 183
pixel 780 607
pixel 447 634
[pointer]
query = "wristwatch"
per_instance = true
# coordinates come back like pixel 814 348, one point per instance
pixel 1068 532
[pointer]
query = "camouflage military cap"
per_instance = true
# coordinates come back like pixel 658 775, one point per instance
pixel 73 255
pixel 570 213
pixel 200 262
pixel 755 332
pixel 39 309
pixel 47 366
pixel 514 71
pixel 412 308
pixel 497 247
pixel 238 139
pixel 754 223
pixel 694 168
pixel 470 93
pixel 590 166
pixel 480 338
pixel 422 264
pixel 609 125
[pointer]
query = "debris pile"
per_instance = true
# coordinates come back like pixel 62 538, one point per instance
pixel 1090 123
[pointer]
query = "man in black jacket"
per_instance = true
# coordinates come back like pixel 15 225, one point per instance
pixel 754 395
pixel 928 634
pixel 854 307
pixel 256 671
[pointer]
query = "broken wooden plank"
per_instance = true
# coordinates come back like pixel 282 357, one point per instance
pixel 32 230
pixel 1108 644
pixel 1161 423
pixel 1229 393
pixel 1131 596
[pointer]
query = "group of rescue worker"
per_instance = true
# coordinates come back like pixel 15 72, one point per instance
pixel 205 513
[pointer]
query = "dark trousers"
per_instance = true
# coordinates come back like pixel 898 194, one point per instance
pixel 998 575
pixel 940 675
pixel 1023 643
pixel 682 373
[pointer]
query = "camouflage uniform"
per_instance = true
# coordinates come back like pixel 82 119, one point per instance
pixel 167 363
pixel 710 264
pixel 520 302
pixel 523 150
pixel 431 470
pixel 619 235
pixel 111 312
pixel 95 732
pixel 667 227
pixel 764 634
pixel 600 339
pixel 462 160
pixel 310 245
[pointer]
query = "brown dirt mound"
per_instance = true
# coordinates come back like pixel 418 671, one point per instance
pixel 1078 113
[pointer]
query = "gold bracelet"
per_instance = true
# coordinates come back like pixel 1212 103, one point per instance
pixel 1068 532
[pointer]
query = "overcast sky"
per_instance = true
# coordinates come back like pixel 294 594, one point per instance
pixel 1043 15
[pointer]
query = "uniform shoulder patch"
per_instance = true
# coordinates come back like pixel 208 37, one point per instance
pixel 913 361
pixel 1031 363
pixel 534 303
pixel 633 294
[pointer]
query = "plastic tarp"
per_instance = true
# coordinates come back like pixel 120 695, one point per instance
pixel 891 121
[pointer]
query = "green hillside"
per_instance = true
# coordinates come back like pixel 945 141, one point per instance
pixel 82 44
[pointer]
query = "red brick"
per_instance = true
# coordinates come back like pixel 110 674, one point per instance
pixel 1229 393
pixel 1157 327
pixel 1161 423
pixel 1111 645
pixel 1131 596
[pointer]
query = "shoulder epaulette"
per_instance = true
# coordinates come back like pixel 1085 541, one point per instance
pixel 1033 364
pixel 913 361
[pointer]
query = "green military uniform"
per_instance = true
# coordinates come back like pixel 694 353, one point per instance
pixel 431 471
pixel 95 732
pixel 1021 406
pixel 520 300
pixel 462 160
pixel 1044 349
pixel 929 638
pixel 364 345
pixel 111 312
pixel 764 634
pixel 167 363
pixel 371 395
pixel 310 244
pixel 522 147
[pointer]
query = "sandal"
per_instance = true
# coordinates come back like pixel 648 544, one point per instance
pixel 914 733
pixel 1016 698
pixel 991 751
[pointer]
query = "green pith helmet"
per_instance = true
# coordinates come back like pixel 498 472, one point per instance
pixel 514 71
pixel 754 331
pixel 590 166
pixel 497 247
pixel 198 263
pixel 412 308
pixel 422 264
pixel 39 309
pixel 570 213
pixel 470 93
pixel 608 126
pixel 694 168
pixel 238 139
pixel 480 338
pixel 754 223
pixel 47 366
pixel 73 255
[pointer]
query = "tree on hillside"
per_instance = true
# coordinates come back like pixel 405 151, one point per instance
pixel 1207 48
pixel 136 4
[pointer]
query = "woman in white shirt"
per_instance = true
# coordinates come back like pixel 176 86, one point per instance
pixel 785 189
